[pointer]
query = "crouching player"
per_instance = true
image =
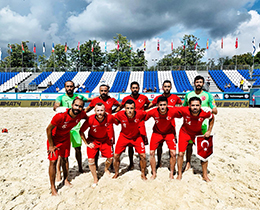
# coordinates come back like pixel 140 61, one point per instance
pixel 58 143
pixel 98 138
pixel 193 117
pixel 163 130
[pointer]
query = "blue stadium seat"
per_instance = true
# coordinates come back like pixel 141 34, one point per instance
pixel 40 78
pixel 121 81
pixel 150 80
pixel 181 81
pixel 92 81
pixel 5 76
pixel 245 73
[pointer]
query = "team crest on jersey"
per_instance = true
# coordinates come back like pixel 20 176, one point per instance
pixel 172 100
pixel 106 124
pixel 136 120
pixel 203 98
pixel 168 118
pixel 200 119
pixel 108 102
pixel 140 100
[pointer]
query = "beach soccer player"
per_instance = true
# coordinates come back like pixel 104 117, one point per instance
pixel 207 103
pixel 58 143
pixel 193 117
pixel 172 100
pixel 98 138
pixel 141 103
pixel 62 102
pixel 130 135
pixel 163 130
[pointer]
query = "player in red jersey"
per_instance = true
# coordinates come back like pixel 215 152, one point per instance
pixel 163 130
pixel 173 100
pixel 193 117
pixel 130 135
pixel 109 103
pixel 141 103
pixel 98 138
pixel 58 143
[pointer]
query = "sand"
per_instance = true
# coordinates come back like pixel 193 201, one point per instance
pixel 234 170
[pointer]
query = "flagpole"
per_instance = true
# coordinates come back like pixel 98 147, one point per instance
pixel 185 58
pixel 22 60
pixel 118 60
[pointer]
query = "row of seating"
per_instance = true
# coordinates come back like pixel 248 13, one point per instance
pixel 121 82
pixel 151 80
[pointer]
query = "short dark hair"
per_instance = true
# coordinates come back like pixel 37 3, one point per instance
pixel 198 78
pixel 99 104
pixel 195 98
pixel 104 85
pixel 134 83
pixel 167 81
pixel 77 99
pixel 69 81
pixel 129 101
pixel 162 98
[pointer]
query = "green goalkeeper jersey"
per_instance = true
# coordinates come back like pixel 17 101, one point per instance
pixel 66 101
pixel 207 100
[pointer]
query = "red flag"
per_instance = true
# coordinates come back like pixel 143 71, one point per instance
pixel 207 44
pixel 204 147
pixel 236 45
pixel 196 44
pixel 92 47
pixel 66 47
pixel 144 45
pixel 222 44
pixel 117 45
pixel 158 45
pixel 34 48
pixel 78 46
pixel 172 46
pixel 22 48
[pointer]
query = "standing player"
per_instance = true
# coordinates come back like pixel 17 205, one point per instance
pixel 98 138
pixel 207 100
pixel 193 117
pixel 130 135
pixel 163 130
pixel 141 103
pixel 58 143
pixel 173 100
pixel 62 102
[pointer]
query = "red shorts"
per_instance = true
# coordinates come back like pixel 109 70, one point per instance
pixel 123 142
pixel 157 138
pixel 111 133
pixel 143 132
pixel 184 140
pixel 63 150
pixel 104 147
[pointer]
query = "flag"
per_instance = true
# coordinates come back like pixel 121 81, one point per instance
pixel 207 44
pixel 0 54
pixel 204 147
pixel 184 44
pixel 92 47
pixel 196 44
pixel 158 45
pixel 66 47
pixel 34 48
pixel 105 46
pixel 10 46
pixel 254 47
pixel 22 48
pixel 43 47
pixel 52 47
pixel 236 44
pixel 222 44
pixel 117 45
pixel 78 46
pixel 130 47
pixel 144 45
pixel 172 46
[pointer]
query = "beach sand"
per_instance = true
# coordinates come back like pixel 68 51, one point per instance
pixel 234 169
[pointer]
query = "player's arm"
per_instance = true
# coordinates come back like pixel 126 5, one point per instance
pixel 151 105
pixel 88 109
pixel 211 123
pixel 212 104
pixel 215 111
pixel 118 107
pixel 83 128
pixel 185 103
pixel 57 103
pixel 52 147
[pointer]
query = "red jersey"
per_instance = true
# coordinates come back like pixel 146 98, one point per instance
pixel 130 126
pixel 139 102
pixel 163 122
pixel 109 103
pixel 98 130
pixel 63 123
pixel 172 100
pixel 192 124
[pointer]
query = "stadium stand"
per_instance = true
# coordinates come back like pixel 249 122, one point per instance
pixel 53 77
pixel 138 77
pixel 181 81
pixel 121 81
pixel 191 75
pixel 221 79
pixel 40 78
pixel 108 78
pixel 92 81
pixel 151 80
pixel 245 73
pixel 4 76
pixel 166 75
pixel 257 82
pixel 60 82
pixel 256 74
pixel 235 77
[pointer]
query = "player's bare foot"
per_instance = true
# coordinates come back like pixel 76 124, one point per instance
pixel 171 176
pixel 54 192
pixel 206 178
pixel 58 177
pixel 179 177
pixel 143 177
pixel 107 172
pixel 115 176
pixel 67 183
pixel 130 167
pixel 153 177
pixel 94 185
pixel 187 167
pixel 159 165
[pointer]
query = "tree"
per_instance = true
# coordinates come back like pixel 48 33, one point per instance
pixel 58 59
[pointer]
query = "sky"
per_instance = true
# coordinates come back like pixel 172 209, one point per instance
pixel 76 21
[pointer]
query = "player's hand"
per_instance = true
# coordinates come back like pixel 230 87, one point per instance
pixel 91 145
pixel 206 109
pixel 207 134
pixel 51 151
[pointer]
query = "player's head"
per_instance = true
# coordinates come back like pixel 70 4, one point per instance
pixel 77 106
pixel 130 108
pixel 162 104
pixel 198 82
pixel 103 90
pixel 69 87
pixel 167 86
pixel 195 105
pixel 100 110
pixel 134 88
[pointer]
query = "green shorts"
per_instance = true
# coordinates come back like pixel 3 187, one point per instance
pixel 204 126
pixel 75 138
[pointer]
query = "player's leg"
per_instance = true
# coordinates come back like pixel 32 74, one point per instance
pixel 111 135
pixel 170 141
pixel 116 164
pixel 143 165
pixel 159 155
pixel 154 143
pixel 153 164
pixel 188 155
pixel 179 163
pixel 131 158
pixel 96 159
pixel 58 177
pixel 52 174
pixel 91 152
pixel 65 168
pixel 172 162
pixel 204 171
pixel 107 152
pixel 143 132
pixel 78 155
pixel 140 149
pixel 76 144
pixel 120 147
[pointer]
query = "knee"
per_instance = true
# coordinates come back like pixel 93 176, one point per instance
pixel 173 153
pixel 142 156
pixel 91 161
pixel 152 153
pixel 53 163
pixel 181 154
pixel 116 157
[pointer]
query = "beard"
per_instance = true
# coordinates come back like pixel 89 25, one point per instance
pixel 198 87
pixel 135 92
pixel 75 111
pixel 103 95
pixel 69 92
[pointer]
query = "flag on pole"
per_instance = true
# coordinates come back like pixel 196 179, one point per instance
pixel 78 46
pixel 236 44
pixel 22 48
pixel 92 46
pixel 144 45
pixel 222 43
pixel 184 44
pixel 158 45
pixel 117 45
pixel 0 54
pixel 172 46
pixel 207 44
pixel 66 47
pixel 43 47
pixel 196 44
pixel 52 47
pixel 105 46
pixel 10 46
pixel 130 47
pixel 34 48
pixel 254 47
